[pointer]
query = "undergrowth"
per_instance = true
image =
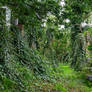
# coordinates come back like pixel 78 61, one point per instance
pixel 57 79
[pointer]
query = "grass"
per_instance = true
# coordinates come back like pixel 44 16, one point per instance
pixel 58 79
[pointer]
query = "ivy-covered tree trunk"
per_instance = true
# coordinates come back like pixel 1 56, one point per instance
pixel 78 47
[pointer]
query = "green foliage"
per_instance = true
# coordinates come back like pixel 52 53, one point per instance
pixel 32 61
pixel 90 47
pixel 59 87
pixel 66 79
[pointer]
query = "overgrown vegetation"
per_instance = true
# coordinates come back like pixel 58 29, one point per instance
pixel 45 46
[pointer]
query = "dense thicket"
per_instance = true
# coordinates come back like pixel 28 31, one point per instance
pixel 44 34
